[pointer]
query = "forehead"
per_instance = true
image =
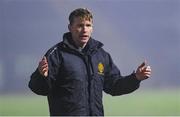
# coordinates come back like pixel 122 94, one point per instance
pixel 82 20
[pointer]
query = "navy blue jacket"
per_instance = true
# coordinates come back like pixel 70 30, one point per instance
pixel 77 77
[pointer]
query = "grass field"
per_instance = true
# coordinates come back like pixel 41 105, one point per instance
pixel 153 103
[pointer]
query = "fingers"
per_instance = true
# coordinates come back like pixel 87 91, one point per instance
pixel 43 67
pixel 147 71
pixel 143 71
pixel 43 61
pixel 147 75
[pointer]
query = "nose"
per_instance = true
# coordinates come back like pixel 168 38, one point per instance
pixel 84 29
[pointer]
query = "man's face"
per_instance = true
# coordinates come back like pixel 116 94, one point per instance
pixel 81 30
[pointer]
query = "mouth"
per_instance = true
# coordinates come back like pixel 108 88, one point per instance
pixel 84 36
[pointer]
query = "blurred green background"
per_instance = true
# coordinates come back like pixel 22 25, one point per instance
pixel 139 103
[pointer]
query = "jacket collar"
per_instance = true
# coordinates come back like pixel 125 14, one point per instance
pixel 91 46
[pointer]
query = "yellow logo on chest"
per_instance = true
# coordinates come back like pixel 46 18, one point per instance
pixel 100 69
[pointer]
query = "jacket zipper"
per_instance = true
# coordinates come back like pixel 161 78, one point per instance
pixel 89 82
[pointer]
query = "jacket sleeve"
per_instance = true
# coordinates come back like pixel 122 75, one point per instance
pixel 115 84
pixel 38 83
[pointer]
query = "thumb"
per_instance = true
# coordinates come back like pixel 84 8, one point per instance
pixel 143 64
pixel 44 58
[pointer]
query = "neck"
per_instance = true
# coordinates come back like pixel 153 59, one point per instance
pixel 82 46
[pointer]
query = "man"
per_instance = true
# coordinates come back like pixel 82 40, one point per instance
pixel 73 73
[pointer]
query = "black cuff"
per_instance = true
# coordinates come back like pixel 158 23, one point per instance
pixel 134 77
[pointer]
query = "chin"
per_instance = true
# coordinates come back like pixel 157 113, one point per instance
pixel 84 41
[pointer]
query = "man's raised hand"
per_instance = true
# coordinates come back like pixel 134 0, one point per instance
pixel 143 71
pixel 43 67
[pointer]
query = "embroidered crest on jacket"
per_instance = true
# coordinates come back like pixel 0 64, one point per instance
pixel 100 69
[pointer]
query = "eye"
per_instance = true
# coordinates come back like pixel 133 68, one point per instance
pixel 88 25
